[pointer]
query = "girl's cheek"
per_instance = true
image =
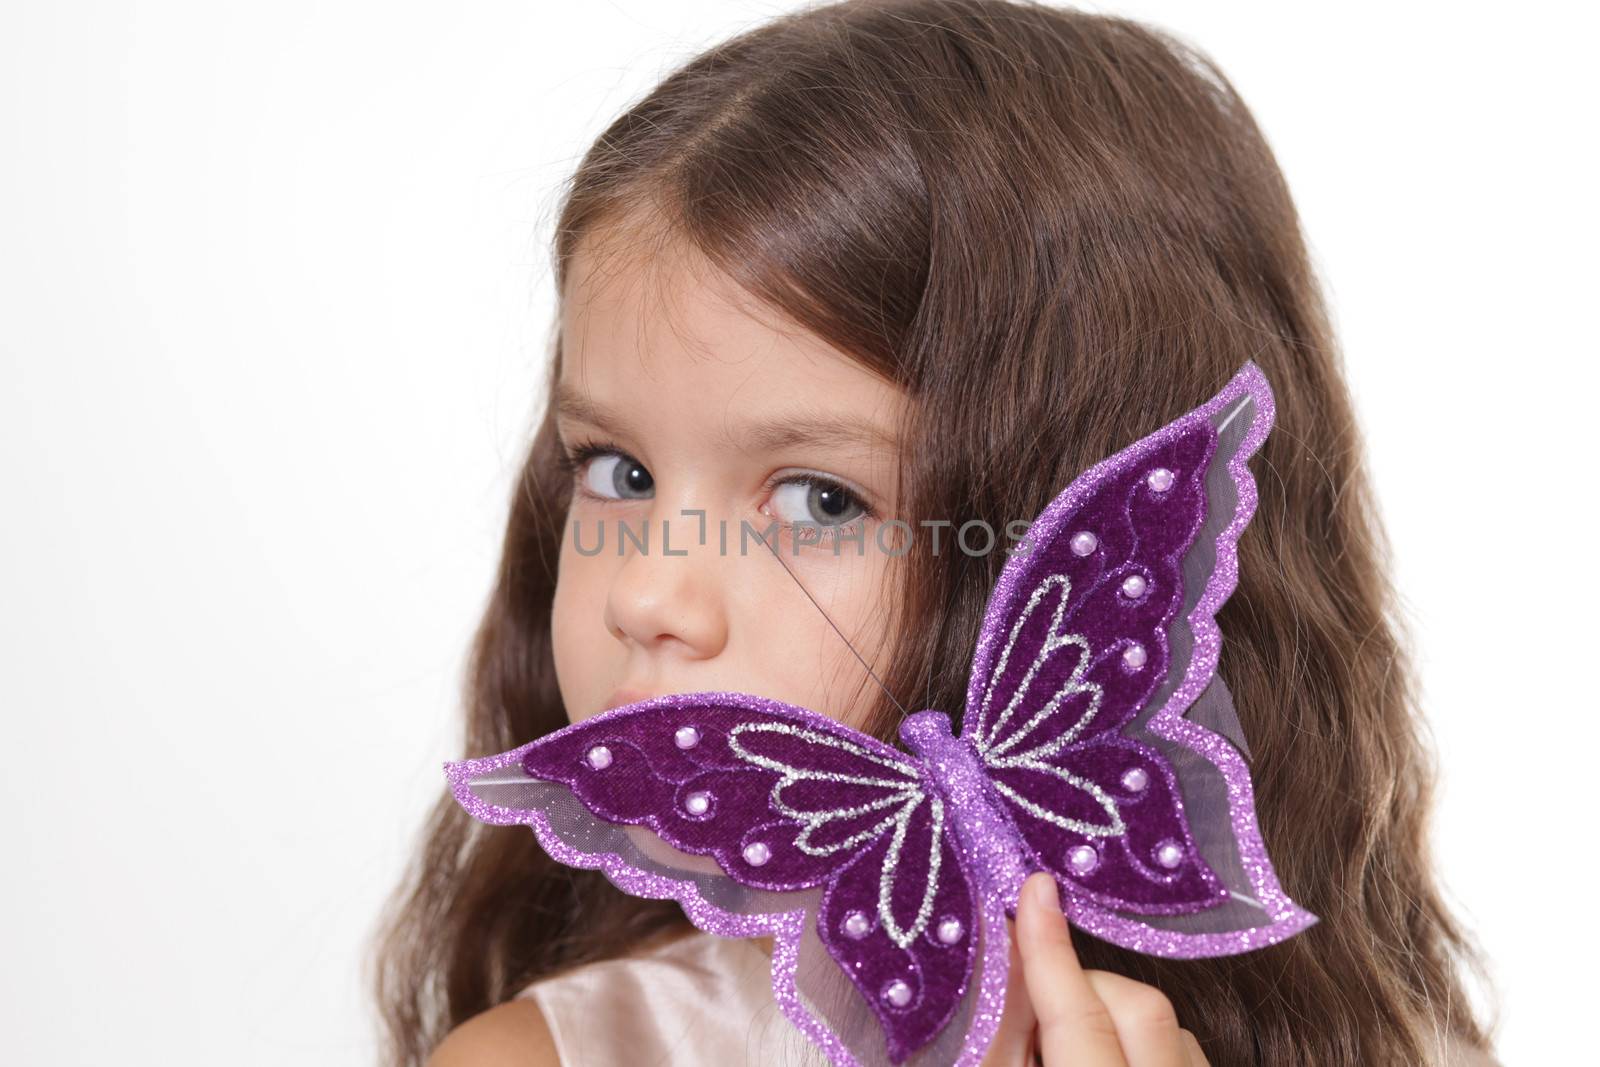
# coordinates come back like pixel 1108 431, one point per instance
pixel 851 569
pixel 855 588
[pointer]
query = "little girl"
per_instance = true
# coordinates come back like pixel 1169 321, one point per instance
pixel 917 260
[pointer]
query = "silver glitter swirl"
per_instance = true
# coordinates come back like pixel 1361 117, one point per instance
pixel 1055 638
pixel 1115 828
pixel 997 754
pixel 905 793
pixel 891 866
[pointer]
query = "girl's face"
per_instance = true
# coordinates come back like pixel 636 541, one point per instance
pixel 684 410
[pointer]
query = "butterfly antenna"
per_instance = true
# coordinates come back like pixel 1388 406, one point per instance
pixel 870 673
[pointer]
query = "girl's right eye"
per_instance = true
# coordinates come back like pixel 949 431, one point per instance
pixel 611 474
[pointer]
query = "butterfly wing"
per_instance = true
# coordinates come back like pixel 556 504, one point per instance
pixel 762 818
pixel 1094 702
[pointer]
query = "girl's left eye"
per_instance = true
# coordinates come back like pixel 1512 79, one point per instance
pixel 618 476
pixel 816 501
pixel 607 472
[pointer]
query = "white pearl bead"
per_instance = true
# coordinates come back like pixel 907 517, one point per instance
pixel 897 993
pixel 1160 479
pixel 1169 855
pixel 599 757
pixel 756 853
pixel 697 803
pixel 1133 586
pixel 687 737
pixel 1134 656
pixel 856 925
pixel 1083 859
pixel 1084 543
pixel 950 931
pixel 1135 780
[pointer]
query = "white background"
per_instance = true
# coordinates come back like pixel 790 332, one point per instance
pixel 273 307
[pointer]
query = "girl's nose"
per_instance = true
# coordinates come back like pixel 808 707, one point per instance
pixel 668 602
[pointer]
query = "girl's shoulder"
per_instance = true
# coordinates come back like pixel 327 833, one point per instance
pixel 513 1034
pixel 690 999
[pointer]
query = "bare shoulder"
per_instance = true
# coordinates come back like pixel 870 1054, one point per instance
pixel 513 1034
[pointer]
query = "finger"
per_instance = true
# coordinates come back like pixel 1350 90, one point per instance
pixel 1146 1025
pixel 1191 1045
pixel 1013 1040
pixel 1075 1026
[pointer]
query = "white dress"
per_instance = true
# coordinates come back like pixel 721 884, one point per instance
pixel 695 1000
pixel 698 1000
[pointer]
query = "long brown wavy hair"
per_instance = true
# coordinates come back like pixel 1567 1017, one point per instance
pixel 1056 231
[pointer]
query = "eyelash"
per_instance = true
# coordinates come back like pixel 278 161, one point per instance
pixel 572 459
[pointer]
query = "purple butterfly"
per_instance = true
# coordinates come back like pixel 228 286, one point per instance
pixel 1097 744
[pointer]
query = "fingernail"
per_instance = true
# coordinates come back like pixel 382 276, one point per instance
pixel 1044 892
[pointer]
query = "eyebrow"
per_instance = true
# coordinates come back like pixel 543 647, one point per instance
pixel 767 435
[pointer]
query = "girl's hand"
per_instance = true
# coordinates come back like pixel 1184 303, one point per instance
pixel 1061 1015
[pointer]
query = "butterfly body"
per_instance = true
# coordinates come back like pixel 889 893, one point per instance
pixel 995 857
pixel 1097 742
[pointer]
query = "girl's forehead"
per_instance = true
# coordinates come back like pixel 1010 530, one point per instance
pixel 670 330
